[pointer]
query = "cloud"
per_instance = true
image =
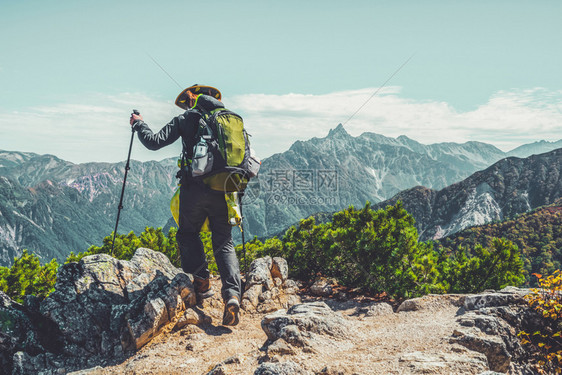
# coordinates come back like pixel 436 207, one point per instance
pixel 97 129
pixel 507 120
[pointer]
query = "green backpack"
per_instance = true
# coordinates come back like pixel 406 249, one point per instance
pixel 222 157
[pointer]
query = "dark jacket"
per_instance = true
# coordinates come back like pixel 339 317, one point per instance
pixel 184 126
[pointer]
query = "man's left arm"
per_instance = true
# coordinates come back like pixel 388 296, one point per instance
pixel 154 141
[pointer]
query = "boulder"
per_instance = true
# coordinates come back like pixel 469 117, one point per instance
pixel 22 327
pixel 103 307
pixel 431 301
pixel 375 309
pixel 489 324
pixel 283 368
pixel 260 273
pixel 192 316
pixel 479 301
pixel 304 324
pixel 251 297
pixel 268 287
pixel 161 305
pixel 321 287
pixel 492 347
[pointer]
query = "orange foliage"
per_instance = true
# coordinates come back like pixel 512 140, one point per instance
pixel 546 343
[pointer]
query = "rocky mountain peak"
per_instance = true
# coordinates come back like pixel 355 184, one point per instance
pixel 405 139
pixel 339 132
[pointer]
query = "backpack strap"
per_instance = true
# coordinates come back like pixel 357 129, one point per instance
pixel 208 118
pixel 211 127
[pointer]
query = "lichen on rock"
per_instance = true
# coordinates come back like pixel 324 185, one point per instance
pixel 268 287
pixel 304 324
pixel 104 307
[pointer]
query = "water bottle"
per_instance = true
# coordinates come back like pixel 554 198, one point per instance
pixel 202 161
pixel 200 149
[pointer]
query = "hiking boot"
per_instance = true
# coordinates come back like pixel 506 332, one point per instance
pixel 202 287
pixel 231 310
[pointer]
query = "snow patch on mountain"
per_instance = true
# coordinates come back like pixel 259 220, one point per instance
pixel 11 156
pixel 480 208
pixel 93 185
pixel 525 197
pixel 378 178
pixel 8 235
pixel 29 220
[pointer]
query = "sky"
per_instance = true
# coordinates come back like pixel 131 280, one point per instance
pixel 72 71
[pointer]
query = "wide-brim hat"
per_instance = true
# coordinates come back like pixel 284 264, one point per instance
pixel 182 100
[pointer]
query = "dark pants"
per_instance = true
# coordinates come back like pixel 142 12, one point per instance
pixel 197 202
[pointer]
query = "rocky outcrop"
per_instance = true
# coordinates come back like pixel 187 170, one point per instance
pixel 284 368
pixel 103 308
pixel 316 328
pixel 305 326
pixel 268 287
pixel 510 187
pixel 321 287
pixel 23 328
pixel 434 334
pixel 490 323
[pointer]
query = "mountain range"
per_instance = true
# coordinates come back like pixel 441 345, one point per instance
pixel 52 206
pixel 510 187
pixel 331 173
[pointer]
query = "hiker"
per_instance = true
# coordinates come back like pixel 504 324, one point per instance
pixel 199 199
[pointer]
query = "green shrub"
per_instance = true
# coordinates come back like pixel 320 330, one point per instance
pixel 256 249
pixel 126 245
pixel 495 267
pixel 28 277
pixel 379 251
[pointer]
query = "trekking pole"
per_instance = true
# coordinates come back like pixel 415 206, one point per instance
pixel 242 231
pixel 127 167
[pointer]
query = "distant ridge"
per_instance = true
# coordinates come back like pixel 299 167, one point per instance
pixel 535 148
pixel 509 187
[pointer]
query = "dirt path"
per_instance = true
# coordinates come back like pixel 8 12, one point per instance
pixel 380 342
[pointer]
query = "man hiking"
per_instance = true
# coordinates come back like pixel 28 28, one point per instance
pixel 199 199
